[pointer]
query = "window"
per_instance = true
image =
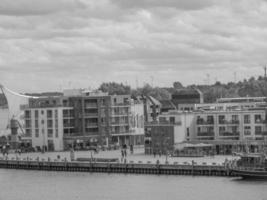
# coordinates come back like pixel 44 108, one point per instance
pixel 27 114
pixel 172 120
pixel 36 124
pixel 234 118
pixel 56 131
pixel 187 132
pixel 28 123
pixel 36 133
pixel 50 133
pixel 49 113
pixel 247 130
pixel 221 129
pixel 56 114
pixel 246 119
pixel 258 130
pixel 221 119
pixel 42 112
pixel 36 114
pixel 210 119
pixel 49 123
pixel 257 118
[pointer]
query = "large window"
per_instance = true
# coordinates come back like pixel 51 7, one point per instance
pixel 37 133
pixel 221 119
pixel 36 114
pixel 246 119
pixel 50 132
pixel 257 118
pixel 49 113
pixel 247 130
pixel 258 130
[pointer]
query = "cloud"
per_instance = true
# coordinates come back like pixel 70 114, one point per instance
pixel 51 43
pixel 32 7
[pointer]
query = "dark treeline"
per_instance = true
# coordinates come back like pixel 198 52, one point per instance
pixel 248 87
pixel 252 87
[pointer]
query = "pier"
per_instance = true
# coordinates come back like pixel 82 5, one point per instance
pixel 193 169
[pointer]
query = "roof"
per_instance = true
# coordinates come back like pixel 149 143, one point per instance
pixel 167 104
pixel 187 92
pixel 153 100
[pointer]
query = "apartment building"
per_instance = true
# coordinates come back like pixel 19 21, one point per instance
pixel 45 124
pixel 228 129
pixel 81 118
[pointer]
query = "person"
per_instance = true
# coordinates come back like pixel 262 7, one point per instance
pixel 154 152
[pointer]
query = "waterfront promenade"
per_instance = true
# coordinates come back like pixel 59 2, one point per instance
pixel 137 156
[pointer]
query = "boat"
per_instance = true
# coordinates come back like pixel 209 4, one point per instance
pixel 250 166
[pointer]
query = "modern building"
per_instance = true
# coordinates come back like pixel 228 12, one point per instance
pixel 172 128
pixel 83 118
pixel 45 123
pixel 229 127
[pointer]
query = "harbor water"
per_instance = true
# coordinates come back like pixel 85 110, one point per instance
pixel 42 185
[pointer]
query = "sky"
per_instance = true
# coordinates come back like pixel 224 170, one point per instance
pixel 52 45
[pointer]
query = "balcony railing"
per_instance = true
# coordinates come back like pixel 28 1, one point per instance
pixel 229 134
pixel 260 121
pixel 205 133
pixel 163 123
pixel 205 122
pixel 90 105
pixel 228 121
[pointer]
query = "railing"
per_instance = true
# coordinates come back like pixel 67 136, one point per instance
pixel 205 134
pixel 90 105
pixel 229 134
pixel 163 123
pixel 260 121
pixel 203 122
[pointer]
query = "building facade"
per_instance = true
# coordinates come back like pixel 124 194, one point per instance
pixel 81 119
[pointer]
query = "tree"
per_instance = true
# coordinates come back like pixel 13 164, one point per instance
pixel 115 88
pixel 177 85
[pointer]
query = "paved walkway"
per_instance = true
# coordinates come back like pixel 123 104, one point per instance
pixel 137 156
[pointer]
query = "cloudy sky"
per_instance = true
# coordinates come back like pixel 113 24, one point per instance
pixel 55 44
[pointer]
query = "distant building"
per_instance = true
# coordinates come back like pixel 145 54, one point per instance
pixel 185 99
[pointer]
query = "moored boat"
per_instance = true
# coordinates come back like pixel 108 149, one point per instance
pixel 250 165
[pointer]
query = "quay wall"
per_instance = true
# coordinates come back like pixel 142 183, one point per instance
pixel 108 167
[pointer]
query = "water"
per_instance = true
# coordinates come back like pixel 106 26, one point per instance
pixel 42 185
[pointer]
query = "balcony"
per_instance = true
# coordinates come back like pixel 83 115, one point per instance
pixel 260 121
pixel 205 133
pixel 205 122
pixel 89 125
pixel 126 104
pixel 120 113
pixel 163 123
pixel 261 133
pixel 231 134
pixel 90 105
pixel 91 114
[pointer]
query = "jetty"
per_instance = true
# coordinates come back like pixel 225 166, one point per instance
pixel 130 167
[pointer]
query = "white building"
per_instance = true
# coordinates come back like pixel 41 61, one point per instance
pixel 44 127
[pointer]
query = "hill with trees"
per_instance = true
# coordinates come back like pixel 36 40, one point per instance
pixel 252 87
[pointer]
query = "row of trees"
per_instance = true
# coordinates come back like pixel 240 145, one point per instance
pixel 252 87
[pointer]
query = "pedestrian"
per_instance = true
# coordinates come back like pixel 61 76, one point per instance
pixel 154 152
pixel 125 153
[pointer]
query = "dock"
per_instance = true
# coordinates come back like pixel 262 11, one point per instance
pixel 193 169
